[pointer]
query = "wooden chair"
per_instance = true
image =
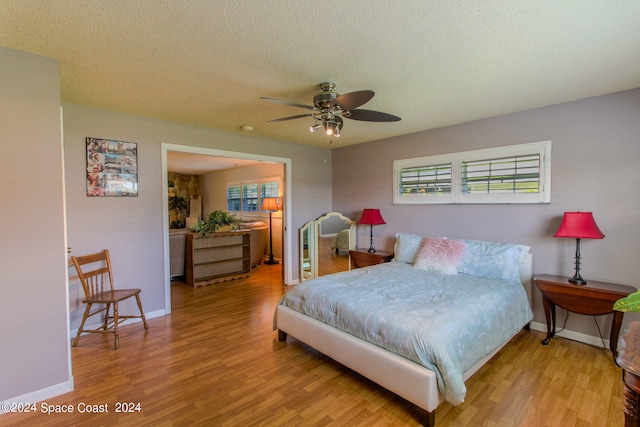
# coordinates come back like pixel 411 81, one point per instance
pixel 96 277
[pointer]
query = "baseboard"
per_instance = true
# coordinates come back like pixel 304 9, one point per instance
pixel 41 395
pixel 149 316
pixel 572 335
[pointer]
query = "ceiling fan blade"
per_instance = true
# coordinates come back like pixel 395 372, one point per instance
pixel 299 116
pixel 352 100
pixel 370 116
pixel 293 104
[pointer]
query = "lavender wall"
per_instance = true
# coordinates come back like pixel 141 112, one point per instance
pixel 40 173
pixel 132 228
pixel 33 289
pixel 595 157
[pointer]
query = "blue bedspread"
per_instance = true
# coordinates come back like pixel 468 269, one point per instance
pixel 446 323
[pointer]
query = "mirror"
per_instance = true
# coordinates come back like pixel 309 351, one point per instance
pixel 307 251
pixel 325 245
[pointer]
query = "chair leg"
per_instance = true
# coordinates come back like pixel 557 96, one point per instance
pixel 115 324
pixel 144 319
pixel 106 317
pixel 81 328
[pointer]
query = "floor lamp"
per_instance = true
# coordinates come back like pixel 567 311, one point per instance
pixel 271 204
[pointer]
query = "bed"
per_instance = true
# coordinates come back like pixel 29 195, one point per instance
pixel 421 324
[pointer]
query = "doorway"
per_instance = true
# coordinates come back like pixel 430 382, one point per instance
pixel 287 267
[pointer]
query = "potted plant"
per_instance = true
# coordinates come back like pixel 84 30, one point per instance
pixel 215 220
pixel 179 206
pixel 629 303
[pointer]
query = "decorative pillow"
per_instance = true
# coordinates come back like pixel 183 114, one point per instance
pixel 439 255
pixel 406 247
pixel 501 261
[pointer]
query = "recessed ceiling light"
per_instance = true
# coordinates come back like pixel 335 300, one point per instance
pixel 246 128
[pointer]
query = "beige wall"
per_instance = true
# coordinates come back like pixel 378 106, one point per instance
pixel 33 294
pixel 214 190
pixel 594 168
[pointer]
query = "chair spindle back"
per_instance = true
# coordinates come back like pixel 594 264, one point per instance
pixel 94 278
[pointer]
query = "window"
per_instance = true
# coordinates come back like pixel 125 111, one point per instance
pixel 233 197
pixel 250 198
pixel 512 174
pixel 269 189
pixel 247 196
pixel 518 174
pixel 423 180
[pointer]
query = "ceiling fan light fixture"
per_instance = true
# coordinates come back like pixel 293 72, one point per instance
pixel 329 108
pixel 332 127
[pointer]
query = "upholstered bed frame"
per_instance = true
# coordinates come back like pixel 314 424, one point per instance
pixel 407 379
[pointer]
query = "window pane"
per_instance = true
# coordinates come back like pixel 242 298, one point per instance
pixel 250 198
pixel 425 180
pixel 518 174
pixel 233 198
pixel 268 189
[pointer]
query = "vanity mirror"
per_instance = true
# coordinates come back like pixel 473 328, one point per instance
pixel 325 245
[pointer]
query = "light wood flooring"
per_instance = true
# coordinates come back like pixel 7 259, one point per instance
pixel 215 361
pixel 328 260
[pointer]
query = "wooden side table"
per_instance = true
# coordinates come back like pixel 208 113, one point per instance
pixel 594 299
pixel 629 361
pixel 362 258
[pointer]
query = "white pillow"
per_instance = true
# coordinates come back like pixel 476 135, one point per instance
pixel 406 247
pixel 501 261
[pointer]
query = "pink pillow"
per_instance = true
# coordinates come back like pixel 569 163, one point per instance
pixel 439 255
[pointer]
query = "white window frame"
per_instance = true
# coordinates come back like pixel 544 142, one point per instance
pixel 238 185
pixel 258 182
pixel 543 148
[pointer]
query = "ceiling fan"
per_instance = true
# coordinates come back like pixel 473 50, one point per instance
pixel 329 107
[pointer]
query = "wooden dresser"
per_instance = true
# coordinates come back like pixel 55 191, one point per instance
pixel 218 257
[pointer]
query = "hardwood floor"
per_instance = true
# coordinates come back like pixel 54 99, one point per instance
pixel 328 260
pixel 215 361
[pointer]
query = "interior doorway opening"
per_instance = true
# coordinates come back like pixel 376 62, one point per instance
pixel 231 159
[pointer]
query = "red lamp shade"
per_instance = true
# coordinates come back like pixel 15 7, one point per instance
pixel 371 217
pixel 270 204
pixel 579 225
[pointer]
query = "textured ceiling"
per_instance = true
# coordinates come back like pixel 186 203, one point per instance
pixel 433 63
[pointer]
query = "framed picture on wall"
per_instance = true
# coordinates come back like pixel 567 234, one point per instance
pixel 112 168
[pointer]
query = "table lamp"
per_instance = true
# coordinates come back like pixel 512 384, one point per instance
pixel 578 225
pixel 371 217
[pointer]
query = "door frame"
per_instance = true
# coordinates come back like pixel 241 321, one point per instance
pixel 287 243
